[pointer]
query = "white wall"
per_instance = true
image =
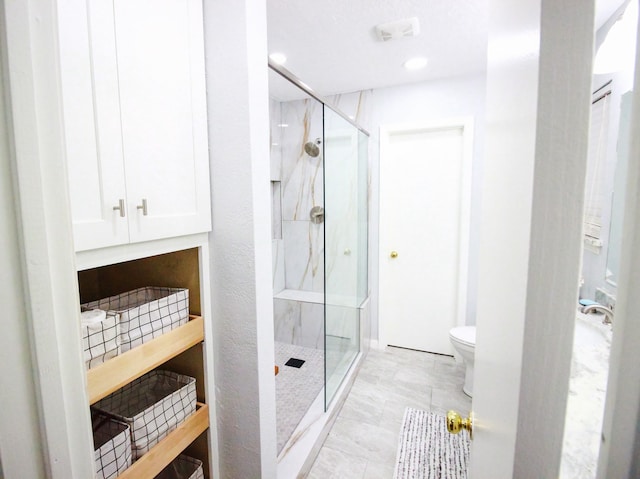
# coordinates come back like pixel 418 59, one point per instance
pixel 421 102
pixel 241 270
pixel 22 449
pixel 49 313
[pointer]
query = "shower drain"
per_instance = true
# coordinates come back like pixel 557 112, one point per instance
pixel 294 363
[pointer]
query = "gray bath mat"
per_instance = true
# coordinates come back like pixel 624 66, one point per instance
pixel 427 451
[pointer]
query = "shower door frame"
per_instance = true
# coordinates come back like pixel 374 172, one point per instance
pixel 286 74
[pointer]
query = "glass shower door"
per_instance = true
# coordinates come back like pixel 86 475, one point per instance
pixel 345 245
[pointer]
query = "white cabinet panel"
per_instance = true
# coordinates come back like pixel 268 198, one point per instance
pixel 92 126
pixel 162 95
pixel 135 119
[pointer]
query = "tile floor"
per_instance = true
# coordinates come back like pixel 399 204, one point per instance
pixel 364 439
pixel 296 388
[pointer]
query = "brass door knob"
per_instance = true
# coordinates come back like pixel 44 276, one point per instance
pixel 394 254
pixel 456 423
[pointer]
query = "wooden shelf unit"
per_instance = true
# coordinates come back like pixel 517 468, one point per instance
pixel 180 350
pixel 161 455
pixel 121 370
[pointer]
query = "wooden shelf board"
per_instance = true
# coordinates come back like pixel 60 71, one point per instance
pixel 159 457
pixel 116 372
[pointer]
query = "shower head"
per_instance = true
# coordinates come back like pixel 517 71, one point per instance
pixel 312 148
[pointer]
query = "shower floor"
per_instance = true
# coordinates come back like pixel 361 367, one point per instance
pixel 296 388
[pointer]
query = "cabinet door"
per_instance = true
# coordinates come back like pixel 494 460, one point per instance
pixel 92 123
pixel 160 48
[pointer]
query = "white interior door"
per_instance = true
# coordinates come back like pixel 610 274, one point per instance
pixel 424 218
pixel 530 251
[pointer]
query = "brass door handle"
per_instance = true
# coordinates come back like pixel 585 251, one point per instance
pixel 394 254
pixel 456 423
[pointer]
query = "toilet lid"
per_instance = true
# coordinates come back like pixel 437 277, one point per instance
pixel 464 334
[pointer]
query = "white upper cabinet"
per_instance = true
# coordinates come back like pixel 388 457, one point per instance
pixel 135 119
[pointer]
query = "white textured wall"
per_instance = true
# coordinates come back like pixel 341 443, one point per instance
pixel 22 450
pixel 50 314
pixel 241 270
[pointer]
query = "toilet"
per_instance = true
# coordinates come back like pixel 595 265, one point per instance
pixel 463 340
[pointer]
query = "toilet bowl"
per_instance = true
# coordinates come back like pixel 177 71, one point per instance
pixel 463 340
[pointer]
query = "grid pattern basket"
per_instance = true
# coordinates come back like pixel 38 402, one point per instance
pixel 112 444
pixel 146 313
pixel 183 467
pixel 152 405
pixel 101 340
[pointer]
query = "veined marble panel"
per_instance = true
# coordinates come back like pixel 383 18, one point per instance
pixel 277 258
pixel 275 139
pixel 276 211
pixel 298 323
pixel 302 183
pixel 304 255
pixel 356 105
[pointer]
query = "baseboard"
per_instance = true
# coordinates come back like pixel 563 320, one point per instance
pixel 375 344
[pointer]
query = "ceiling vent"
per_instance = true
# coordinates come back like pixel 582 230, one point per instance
pixel 409 27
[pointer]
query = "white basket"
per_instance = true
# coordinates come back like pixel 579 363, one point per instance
pixel 152 405
pixel 183 467
pixel 112 444
pixel 100 336
pixel 146 313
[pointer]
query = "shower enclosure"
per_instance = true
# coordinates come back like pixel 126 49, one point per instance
pixel 319 224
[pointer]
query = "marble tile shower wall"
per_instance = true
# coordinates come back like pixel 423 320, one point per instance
pixel 298 254
pixel 298 257
pixel 302 189
pixel 299 323
pixel 277 244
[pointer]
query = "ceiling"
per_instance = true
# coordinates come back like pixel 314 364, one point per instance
pixel 332 46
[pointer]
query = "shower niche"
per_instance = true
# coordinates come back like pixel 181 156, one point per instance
pixel 319 240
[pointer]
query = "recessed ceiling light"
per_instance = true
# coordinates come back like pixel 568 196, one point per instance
pixel 416 63
pixel 278 58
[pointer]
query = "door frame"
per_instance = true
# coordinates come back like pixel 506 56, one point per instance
pixel 45 249
pixel 467 126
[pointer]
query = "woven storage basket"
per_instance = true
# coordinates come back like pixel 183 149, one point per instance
pixel 183 467
pixel 152 405
pixel 146 313
pixel 100 337
pixel 112 444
